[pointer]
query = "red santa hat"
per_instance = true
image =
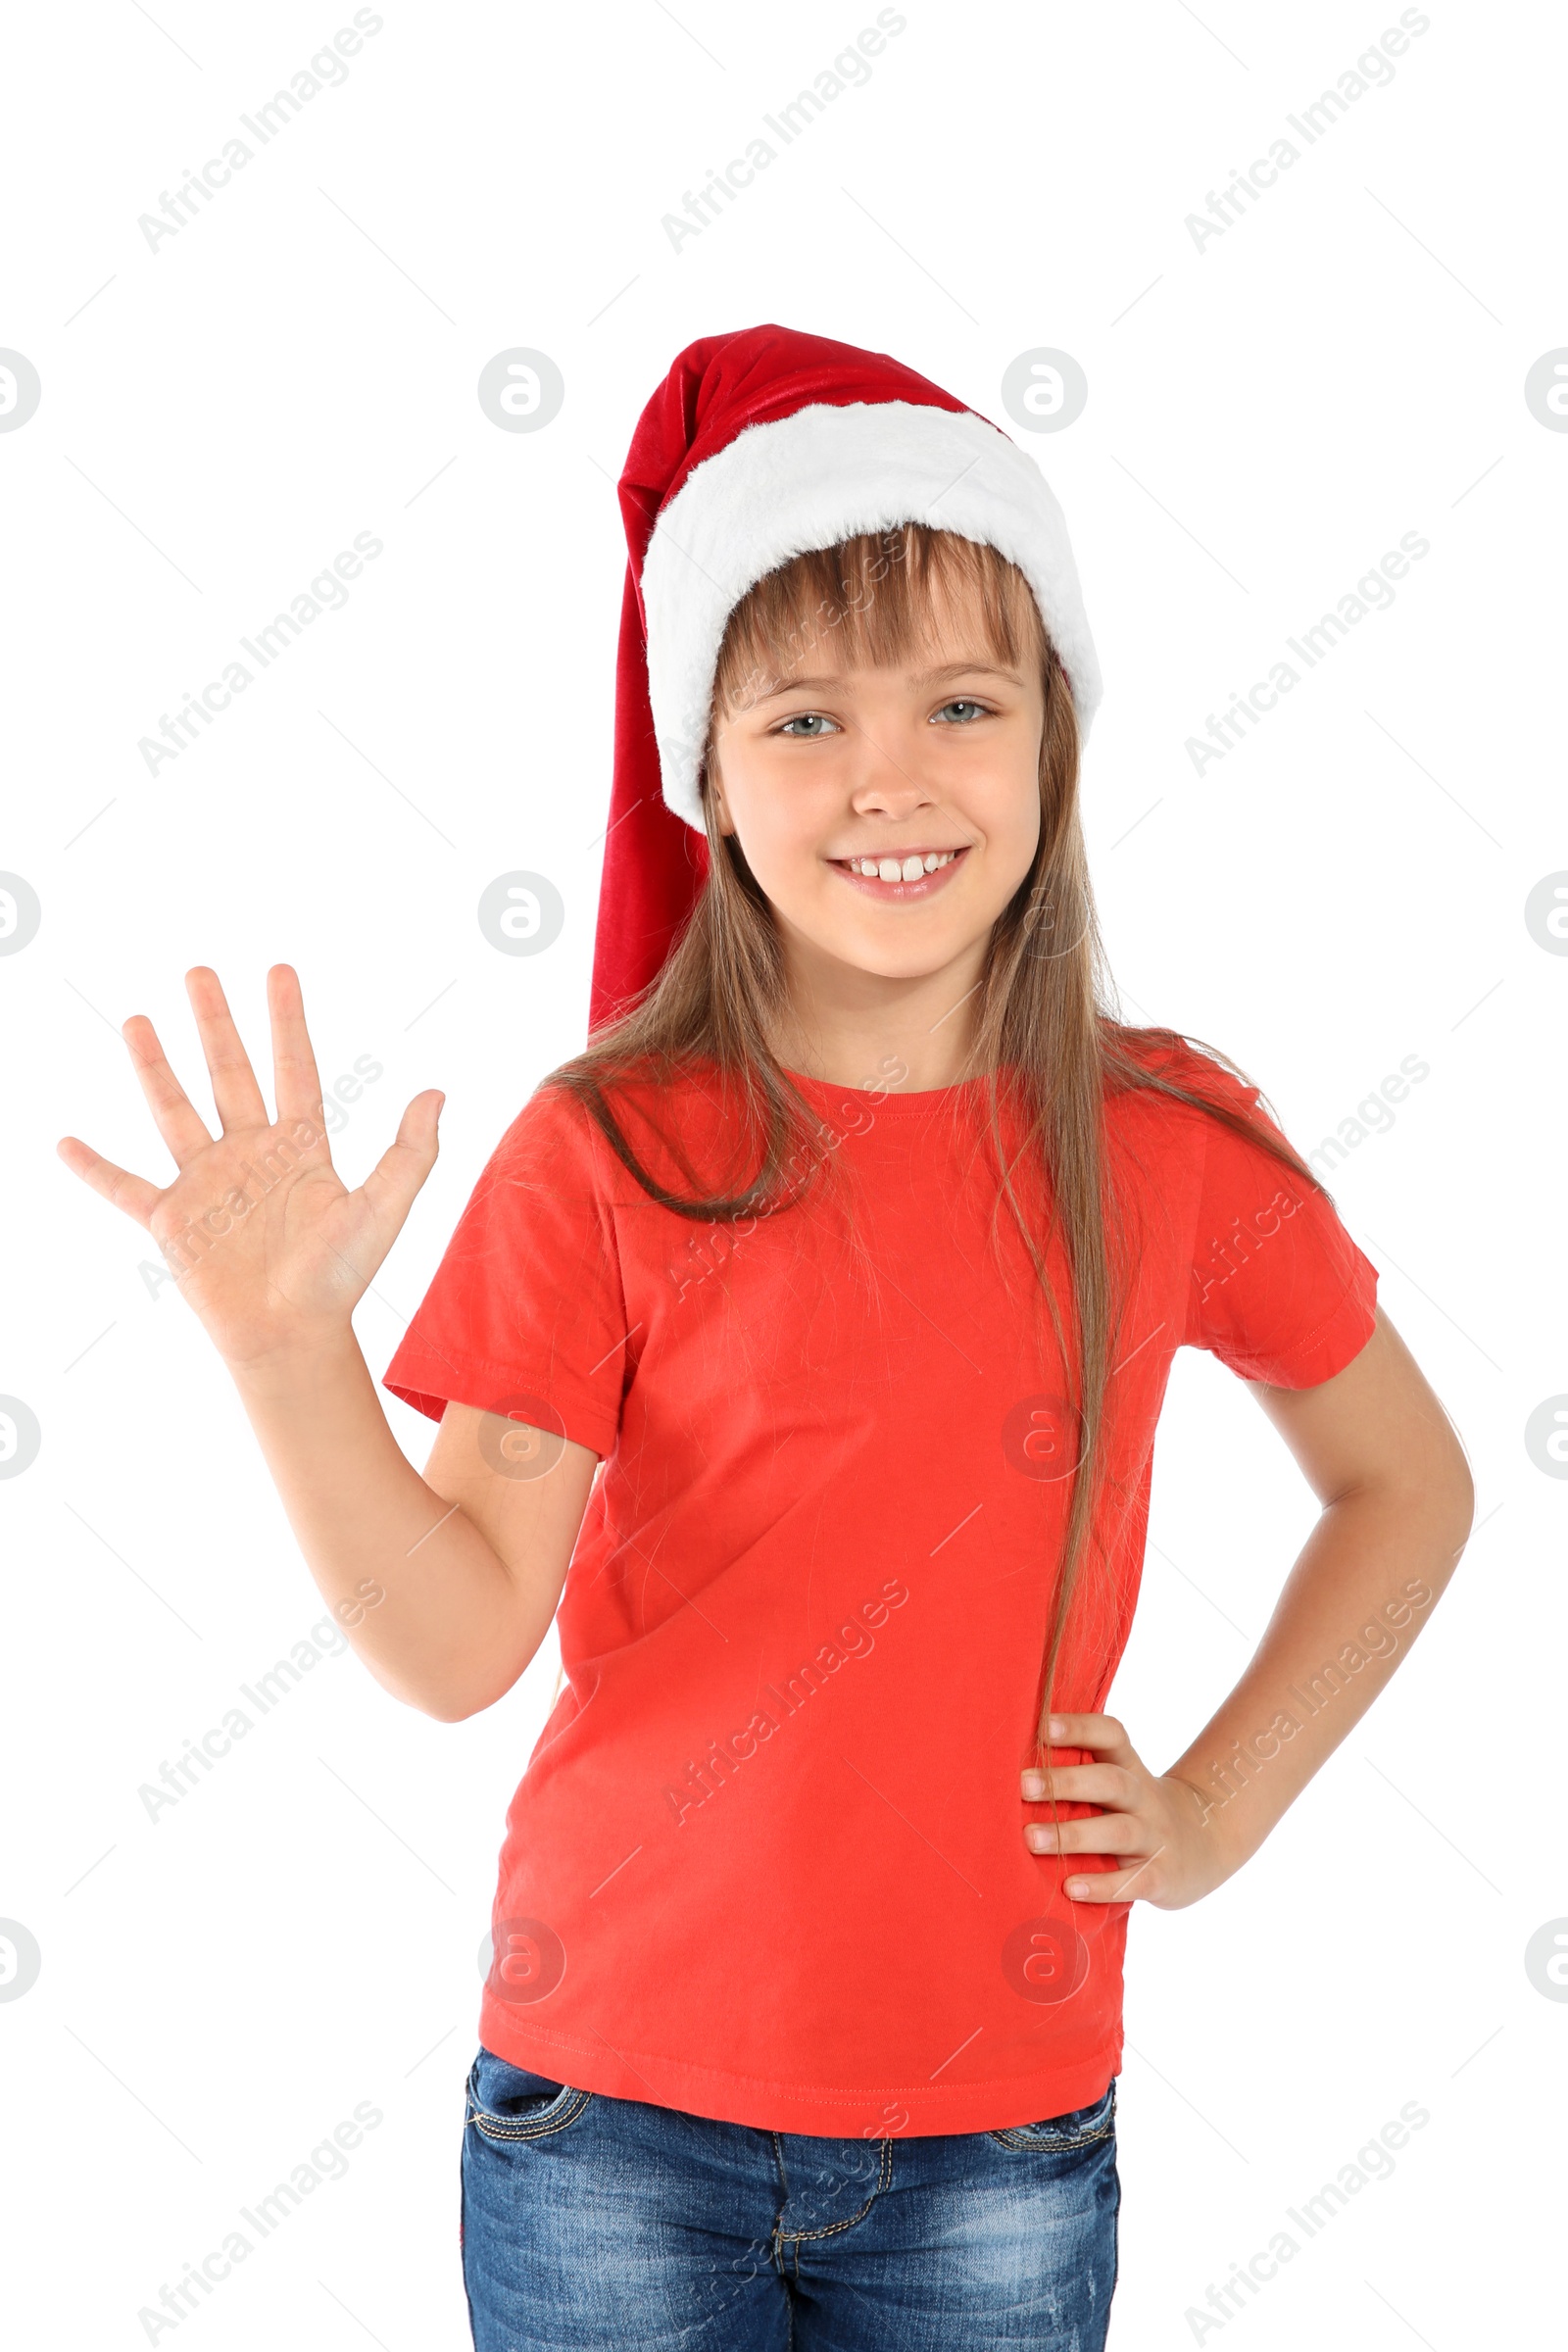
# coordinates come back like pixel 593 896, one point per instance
pixel 757 446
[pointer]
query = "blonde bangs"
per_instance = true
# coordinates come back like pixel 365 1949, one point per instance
pixel 870 601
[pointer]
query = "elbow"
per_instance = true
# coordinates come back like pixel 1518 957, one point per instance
pixel 1457 1485
pixel 1447 1495
pixel 1428 1492
pixel 443 1707
pixel 451 1687
pixel 457 1704
pixel 1462 1500
pixel 441 1702
pixel 452 1706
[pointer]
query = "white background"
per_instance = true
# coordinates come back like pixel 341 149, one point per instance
pixel 1266 415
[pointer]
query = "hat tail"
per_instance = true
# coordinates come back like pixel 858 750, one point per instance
pixel 655 864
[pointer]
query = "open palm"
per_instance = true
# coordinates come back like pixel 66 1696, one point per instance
pixel 265 1241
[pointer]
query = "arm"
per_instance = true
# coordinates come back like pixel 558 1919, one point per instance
pixel 446 1584
pixel 1382 1457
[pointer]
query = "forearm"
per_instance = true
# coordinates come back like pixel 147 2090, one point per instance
pixel 424 1599
pixel 1364 1584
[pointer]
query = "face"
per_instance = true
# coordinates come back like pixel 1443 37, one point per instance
pixel 889 814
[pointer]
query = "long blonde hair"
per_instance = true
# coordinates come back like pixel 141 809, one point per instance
pixel 1045 1030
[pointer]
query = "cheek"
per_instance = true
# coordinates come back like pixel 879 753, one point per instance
pixel 1004 803
pixel 1024 812
pixel 782 814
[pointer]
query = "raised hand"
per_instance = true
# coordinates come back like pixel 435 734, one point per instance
pixel 265 1240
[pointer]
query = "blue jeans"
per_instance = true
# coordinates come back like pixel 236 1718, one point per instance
pixel 590 2220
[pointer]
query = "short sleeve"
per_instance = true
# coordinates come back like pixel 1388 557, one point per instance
pixel 527 1307
pixel 1279 1291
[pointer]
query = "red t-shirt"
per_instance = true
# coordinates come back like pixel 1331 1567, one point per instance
pixel 766 1861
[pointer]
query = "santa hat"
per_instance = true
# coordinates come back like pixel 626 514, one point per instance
pixel 757 446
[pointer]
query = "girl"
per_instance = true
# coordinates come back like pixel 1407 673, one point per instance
pixel 818 1318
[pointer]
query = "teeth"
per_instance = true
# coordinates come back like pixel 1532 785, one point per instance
pixel 906 870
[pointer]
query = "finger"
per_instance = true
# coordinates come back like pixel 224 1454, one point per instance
pixel 295 1080
pixel 175 1116
pixel 1114 1885
pixel 1078 1784
pixel 235 1092
pixel 1105 1834
pixel 133 1193
pixel 1104 1734
pixel 392 1183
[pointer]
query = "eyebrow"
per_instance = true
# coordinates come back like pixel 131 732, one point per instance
pixel 925 677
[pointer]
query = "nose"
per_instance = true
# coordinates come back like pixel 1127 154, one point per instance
pixel 885 778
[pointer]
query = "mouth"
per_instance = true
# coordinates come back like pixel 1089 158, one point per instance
pixel 914 873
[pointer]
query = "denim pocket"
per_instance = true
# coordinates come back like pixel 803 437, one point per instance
pixel 1080 2128
pixel 506 2102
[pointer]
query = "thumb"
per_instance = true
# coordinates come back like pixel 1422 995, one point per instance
pixel 393 1183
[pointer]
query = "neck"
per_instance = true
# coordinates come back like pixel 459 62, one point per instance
pixel 856 1028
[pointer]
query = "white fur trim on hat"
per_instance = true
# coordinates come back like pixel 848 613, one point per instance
pixel 808 480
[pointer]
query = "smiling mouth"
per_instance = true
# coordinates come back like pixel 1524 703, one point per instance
pixel 904 874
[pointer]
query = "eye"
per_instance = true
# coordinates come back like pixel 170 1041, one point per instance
pixel 812 724
pixel 967 712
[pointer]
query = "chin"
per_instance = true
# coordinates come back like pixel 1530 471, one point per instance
pixel 912 964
